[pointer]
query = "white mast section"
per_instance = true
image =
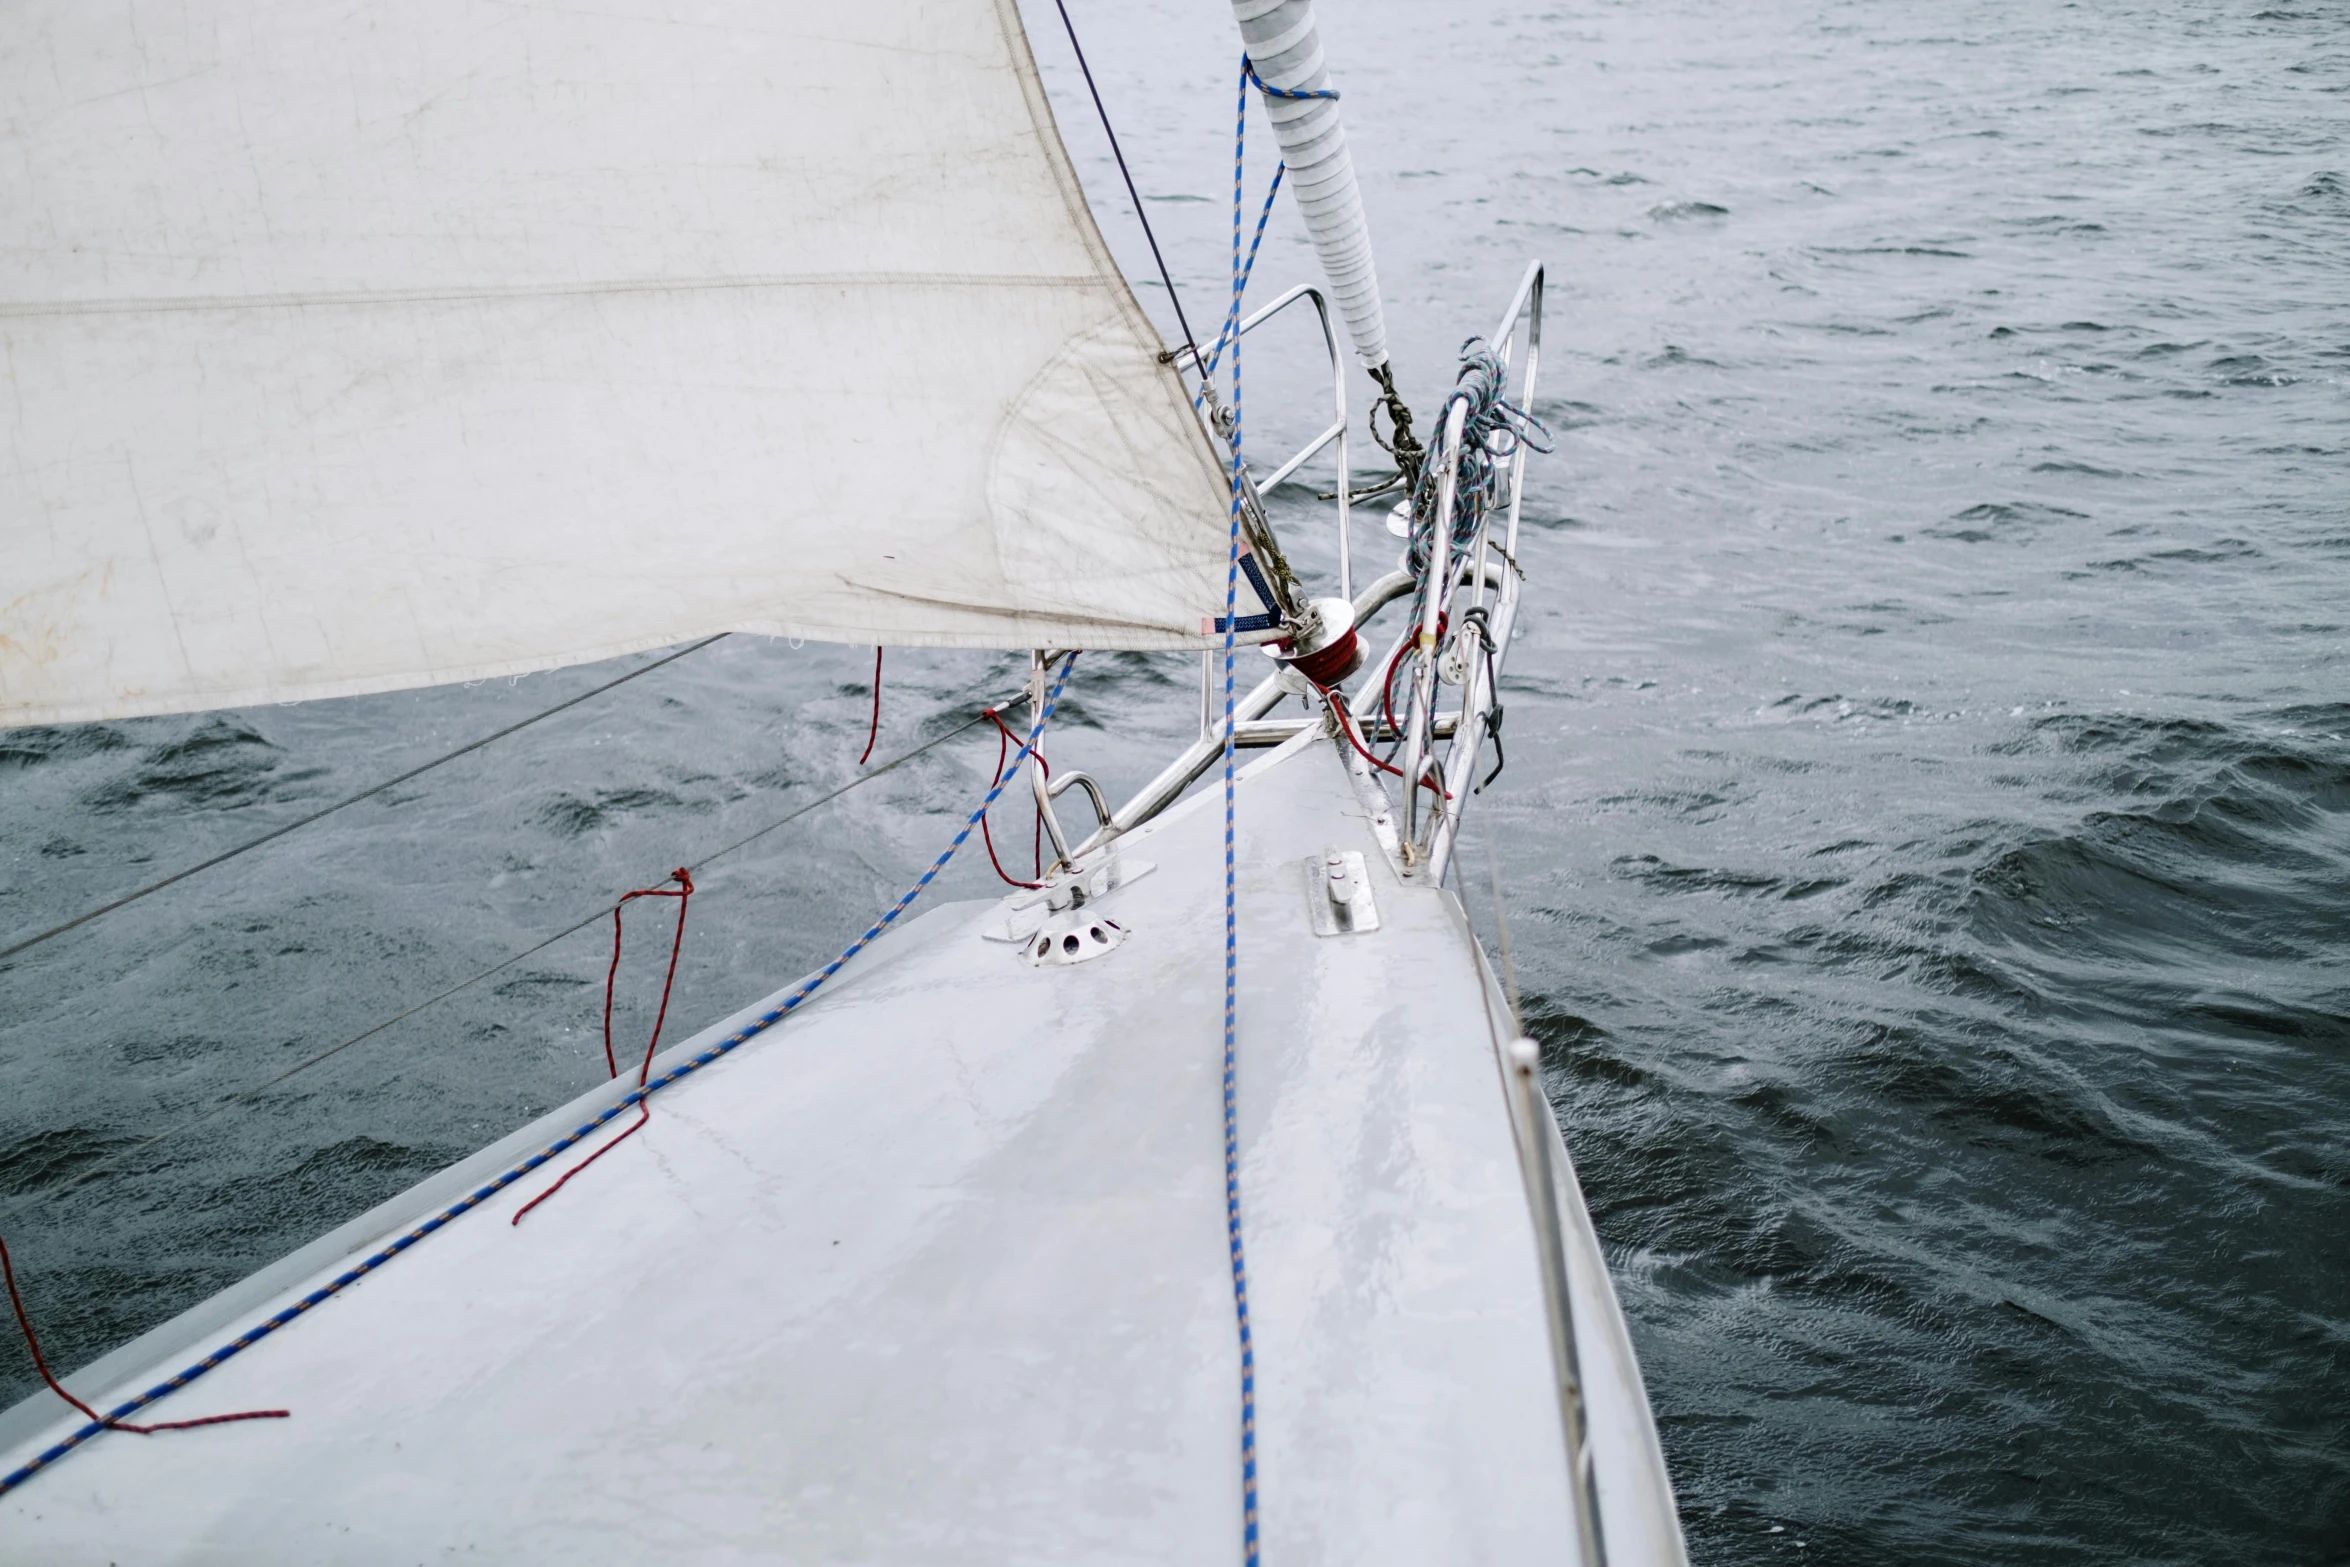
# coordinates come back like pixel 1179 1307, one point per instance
pixel 372 345
pixel 1286 48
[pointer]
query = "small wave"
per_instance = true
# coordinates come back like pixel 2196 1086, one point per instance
pixel 1844 328
pixel 1995 1095
pixel 2215 553
pixel 1989 520
pixel 1657 873
pixel 151 1049
pixel 1674 211
pixel 40 744
pixel 222 762
pixel 1891 250
pixel 1674 357
pixel 2217 550
pixel 535 984
pixel 2248 370
pixel 48 1160
pixel 569 815
pixel 2212 801
pixel 327 1184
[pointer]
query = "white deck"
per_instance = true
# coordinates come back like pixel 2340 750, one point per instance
pixel 934 1272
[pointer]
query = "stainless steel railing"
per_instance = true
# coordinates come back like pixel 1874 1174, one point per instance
pixel 1431 818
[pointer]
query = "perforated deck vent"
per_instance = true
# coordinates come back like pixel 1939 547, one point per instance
pixel 1073 941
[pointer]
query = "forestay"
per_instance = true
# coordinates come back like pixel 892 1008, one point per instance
pixel 376 345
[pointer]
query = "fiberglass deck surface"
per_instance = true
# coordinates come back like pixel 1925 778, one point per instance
pixel 935 1271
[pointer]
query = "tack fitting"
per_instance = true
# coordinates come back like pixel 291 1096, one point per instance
pixel 1405 448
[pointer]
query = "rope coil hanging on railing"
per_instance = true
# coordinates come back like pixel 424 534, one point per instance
pixel 1490 438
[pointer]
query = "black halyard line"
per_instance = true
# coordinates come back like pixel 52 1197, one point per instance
pixel 1134 195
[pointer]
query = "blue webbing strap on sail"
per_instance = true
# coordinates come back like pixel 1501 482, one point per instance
pixel 1229 622
pixel 561 1145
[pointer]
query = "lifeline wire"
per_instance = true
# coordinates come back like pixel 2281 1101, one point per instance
pixel 364 794
pixel 554 1150
pixel 91 1172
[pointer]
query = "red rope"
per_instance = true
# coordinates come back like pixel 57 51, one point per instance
pixel 1003 749
pixel 683 892
pixel 8 1271
pixel 1387 692
pixel 1346 722
pixel 876 729
pixel 1387 681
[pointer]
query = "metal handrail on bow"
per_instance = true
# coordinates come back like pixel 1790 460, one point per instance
pixel 1432 815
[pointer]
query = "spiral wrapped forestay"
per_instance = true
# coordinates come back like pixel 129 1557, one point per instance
pixel 1286 49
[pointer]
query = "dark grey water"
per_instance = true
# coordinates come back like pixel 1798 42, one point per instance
pixel 1927 824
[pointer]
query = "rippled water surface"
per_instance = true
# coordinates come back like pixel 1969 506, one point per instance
pixel 1926 832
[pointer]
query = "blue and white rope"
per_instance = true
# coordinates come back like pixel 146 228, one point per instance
pixel 1232 1235
pixel 561 1145
pixel 1250 78
pixel 1230 332
pixel 1243 264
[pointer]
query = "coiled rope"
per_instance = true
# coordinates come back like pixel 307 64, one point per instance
pixel 554 1150
pixel 1492 432
pixel 1490 437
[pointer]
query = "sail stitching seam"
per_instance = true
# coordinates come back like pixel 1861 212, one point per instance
pixel 333 298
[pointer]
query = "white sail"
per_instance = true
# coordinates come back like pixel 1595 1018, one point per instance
pixel 357 347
